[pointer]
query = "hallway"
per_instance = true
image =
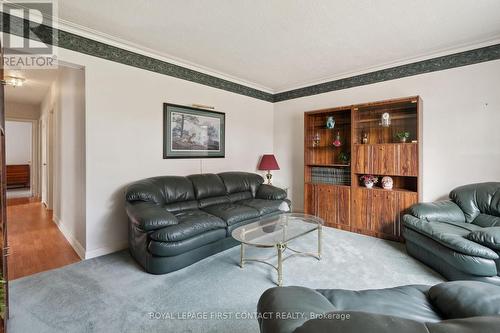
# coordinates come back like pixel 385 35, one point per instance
pixel 36 244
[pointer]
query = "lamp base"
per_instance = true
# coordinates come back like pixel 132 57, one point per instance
pixel 269 177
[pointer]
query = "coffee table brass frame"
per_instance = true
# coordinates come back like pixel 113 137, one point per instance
pixel 281 247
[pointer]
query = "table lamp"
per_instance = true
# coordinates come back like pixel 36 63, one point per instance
pixel 268 162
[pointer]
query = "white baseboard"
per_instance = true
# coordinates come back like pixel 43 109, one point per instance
pixel 72 241
pixel 106 250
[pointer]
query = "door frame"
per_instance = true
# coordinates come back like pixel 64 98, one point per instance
pixel 35 177
pixel 48 119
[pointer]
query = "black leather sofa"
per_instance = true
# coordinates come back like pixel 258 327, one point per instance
pixel 175 221
pixel 450 307
pixel 460 237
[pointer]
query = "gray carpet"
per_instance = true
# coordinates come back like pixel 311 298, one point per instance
pixel 113 294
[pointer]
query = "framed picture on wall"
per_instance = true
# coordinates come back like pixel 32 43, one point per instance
pixel 192 133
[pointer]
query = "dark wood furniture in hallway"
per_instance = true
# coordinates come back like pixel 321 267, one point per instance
pixel 18 176
pixel 36 244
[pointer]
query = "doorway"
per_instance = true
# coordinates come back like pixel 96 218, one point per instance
pixel 19 158
pixel 45 232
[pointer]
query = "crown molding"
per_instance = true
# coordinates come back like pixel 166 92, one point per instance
pixel 425 56
pixel 91 42
pixel 83 31
pixel 136 48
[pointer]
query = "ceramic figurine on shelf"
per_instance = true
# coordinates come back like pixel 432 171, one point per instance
pixel 337 142
pixel 387 183
pixel 316 140
pixel 364 138
pixel 369 180
pixel 330 122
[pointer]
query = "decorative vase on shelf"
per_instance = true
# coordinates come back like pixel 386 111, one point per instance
pixel 337 142
pixel 330 122
pixel 387 183
pixel 369 180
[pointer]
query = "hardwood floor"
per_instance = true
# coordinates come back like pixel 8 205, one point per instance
pixel 36 244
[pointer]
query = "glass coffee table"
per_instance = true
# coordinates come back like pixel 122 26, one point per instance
pixel 277 232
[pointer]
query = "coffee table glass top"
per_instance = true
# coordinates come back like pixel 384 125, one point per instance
pixel 278 229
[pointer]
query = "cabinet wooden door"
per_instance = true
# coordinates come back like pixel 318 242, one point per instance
pixel 309 199
pixel 343 214
pixel 361 209
pixel 383 159
pixel 329 202
pixel 383 213
pixel 407 160
pixel 361 164
pixel 326 203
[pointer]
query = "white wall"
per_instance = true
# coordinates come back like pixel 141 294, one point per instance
pixel 124 128
pixel 69 156
pixel 460 135
pixel 18 144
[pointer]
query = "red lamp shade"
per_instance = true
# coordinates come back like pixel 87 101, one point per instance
pixel 268 162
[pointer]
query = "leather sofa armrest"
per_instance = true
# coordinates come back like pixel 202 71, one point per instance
pixel 445 211
pixel 149 216
pixel 270 192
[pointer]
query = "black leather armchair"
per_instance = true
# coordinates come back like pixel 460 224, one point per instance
pixel 460 237
pixel 176 221
pixel 459 306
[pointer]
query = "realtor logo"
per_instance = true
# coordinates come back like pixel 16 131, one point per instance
pixel 28 34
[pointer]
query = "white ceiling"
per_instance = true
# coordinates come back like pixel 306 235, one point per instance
pixel 283 44
pixel 35 87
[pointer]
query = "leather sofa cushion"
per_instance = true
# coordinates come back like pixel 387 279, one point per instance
pixel 241 182
pixel 181 205
pixel 376 323
pixel 232 213
pixel 451 235
pixel 238 196
pixel 489 237
pixel 168 249
pixel 461 299
pixel 161 190
pixel 444 211
pixel 475 199
pixel 484 220
pixel 191 223
pixel 149 216
pixel 214 201
pixel 263 206
pixel 207 185
pixel 405 302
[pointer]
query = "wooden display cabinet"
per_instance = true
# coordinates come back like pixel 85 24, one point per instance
pixel 333 190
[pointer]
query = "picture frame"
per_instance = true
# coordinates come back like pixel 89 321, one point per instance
pixel 190 132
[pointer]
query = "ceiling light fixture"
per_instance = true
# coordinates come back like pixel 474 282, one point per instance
pixel 13 81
